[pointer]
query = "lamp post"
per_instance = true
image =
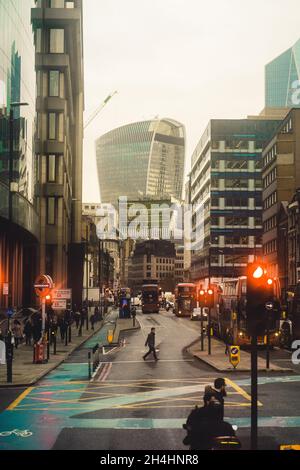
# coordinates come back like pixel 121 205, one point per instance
pixel 87 275
pixel 9 346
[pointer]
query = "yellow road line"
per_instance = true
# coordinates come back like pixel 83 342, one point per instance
pixel 15 403
pixel 241 391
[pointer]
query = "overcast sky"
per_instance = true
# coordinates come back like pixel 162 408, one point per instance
pixel 190 60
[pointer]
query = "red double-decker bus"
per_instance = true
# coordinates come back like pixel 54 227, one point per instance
pixel 185 299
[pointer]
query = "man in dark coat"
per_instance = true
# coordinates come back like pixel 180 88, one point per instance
pixel 206 423
pixel 150 342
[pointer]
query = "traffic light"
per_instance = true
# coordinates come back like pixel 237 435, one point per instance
pixel 48 302
pixel 202 298
pixel 260 298
pixel 206 298
pixel 210 298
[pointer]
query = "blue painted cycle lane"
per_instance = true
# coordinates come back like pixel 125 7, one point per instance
pixel 44 410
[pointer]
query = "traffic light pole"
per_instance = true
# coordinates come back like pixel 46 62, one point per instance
pixel 209 332
pixel 202 333
pixel 268 341
pixel 254 392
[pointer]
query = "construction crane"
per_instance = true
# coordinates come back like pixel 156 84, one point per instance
pixel 97 111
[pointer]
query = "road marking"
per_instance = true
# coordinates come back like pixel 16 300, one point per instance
pixel 15 403
pixel 105 372
pixel 240 390
pixel 152 361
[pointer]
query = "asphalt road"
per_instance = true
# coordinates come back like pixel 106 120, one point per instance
pixel 134 404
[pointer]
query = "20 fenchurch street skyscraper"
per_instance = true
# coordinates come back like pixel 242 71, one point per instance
pixel 142 159
pixel 281 79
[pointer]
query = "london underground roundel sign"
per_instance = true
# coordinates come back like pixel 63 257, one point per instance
pixel 43 285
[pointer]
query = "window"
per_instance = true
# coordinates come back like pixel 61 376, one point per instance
pixel 51 168
pixel 236 183
pixel 56 126
pixel 236 164
pixel 38 41
pixel 51 211
pixel 57 41
pixel 52 126
pixel 57 4
pixel 54 78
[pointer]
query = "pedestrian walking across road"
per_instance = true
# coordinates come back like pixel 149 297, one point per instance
pixel 150 342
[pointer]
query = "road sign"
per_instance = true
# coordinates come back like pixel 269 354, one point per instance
pixel 10 313
pixel 62 294
pixel 234 355
pixel 59 304
pixel 5 288
pixel 43 285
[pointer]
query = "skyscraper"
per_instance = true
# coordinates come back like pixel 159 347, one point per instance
pixel 18 218
pixel 59 137
pixel 282 77
pixel 142 159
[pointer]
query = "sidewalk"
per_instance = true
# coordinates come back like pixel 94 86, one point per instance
pixel 25 373
pixel 220 362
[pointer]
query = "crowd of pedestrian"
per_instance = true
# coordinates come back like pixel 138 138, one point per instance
pixel 29 331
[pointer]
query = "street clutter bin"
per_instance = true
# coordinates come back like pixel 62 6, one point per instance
pixel 39 353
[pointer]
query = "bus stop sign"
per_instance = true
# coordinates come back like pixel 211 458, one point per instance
pixel 234 355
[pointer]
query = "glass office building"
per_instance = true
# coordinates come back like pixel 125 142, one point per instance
pixel 143 159
pixel 18 229
pixel 281 79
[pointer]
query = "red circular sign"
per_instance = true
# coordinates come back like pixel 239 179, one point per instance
pixel 43 285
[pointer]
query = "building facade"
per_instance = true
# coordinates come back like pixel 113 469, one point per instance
pixel 142 159
pixel 109 248
pixel 226 193
pixel 281 178
pixel 282 79
pixel 153 259
pixel 19 225
pixel 58 32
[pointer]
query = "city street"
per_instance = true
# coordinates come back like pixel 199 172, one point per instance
pixel 132 404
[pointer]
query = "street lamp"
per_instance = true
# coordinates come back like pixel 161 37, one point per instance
pixel 11 189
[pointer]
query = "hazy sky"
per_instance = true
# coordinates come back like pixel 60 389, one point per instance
pixel 190 60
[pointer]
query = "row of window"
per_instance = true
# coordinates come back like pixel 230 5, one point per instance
pixel 270 223
pixel 236 201
pixel 288 127
pixel 270 247
pixel 236 221
pixel 270 178
pixel 164 261
pixel 55 41
pixel 236 164
pixel 240 183
pixel 270 201
pixel 271 155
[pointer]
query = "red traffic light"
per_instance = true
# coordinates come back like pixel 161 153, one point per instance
pixel 202 292
pixel 270 282
pixel 210 292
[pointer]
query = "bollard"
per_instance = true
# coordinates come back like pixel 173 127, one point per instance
pixel 89 362
pixel 70 334
pixel 66 336
pixel 54 342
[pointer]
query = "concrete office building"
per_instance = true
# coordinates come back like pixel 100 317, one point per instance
pixel 59 135
pixel 281 179
pixel 226 193
pixel 19 225
pixel 142 159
